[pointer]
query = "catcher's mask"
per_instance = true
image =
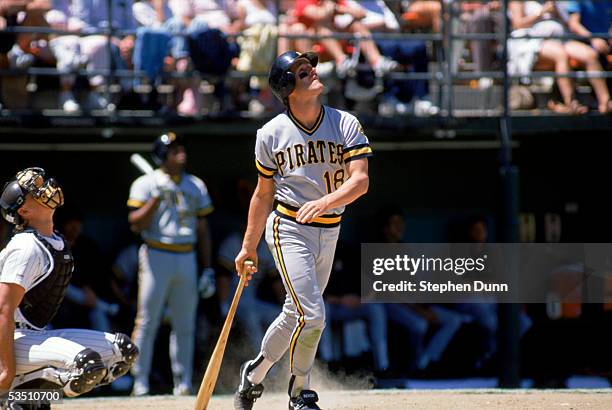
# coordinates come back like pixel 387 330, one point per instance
pixel 29 181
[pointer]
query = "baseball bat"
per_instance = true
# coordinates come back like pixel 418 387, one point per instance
pixel 139 162
pixel 214 365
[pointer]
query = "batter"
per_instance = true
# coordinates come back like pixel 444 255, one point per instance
pixel 312 161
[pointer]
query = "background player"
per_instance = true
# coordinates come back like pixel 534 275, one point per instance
pixel 35 268
pixel 312 160
pixel 169 207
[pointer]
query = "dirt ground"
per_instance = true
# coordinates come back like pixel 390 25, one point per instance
pixel 376 399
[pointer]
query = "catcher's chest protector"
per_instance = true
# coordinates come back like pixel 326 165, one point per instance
pixel 41 302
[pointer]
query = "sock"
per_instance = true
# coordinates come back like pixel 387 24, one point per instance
pixel 259 368
pixel 297 384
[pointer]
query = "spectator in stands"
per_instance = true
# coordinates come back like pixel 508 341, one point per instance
pixel 483 312
pixel 67 52
pixel 423 14
pixel 430 327
pixel 8 18
pixel 343 305
pixel 587 17
pixel 476 18
pixel 189 17
pixel 87 16
pixel 257 20
pixel 411 54
pixel 151 13
pixel 9 10
pixel 288 24
pixel 537 19
pixel 328 16
pixel 27 47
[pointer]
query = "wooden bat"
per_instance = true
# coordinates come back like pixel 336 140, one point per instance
pixel 214 365
pixel 142 164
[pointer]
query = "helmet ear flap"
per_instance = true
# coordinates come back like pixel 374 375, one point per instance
pixel 12 198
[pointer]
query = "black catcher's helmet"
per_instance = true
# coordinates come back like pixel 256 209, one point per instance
pixel 29 181
pixel 281 78
pixel 162 145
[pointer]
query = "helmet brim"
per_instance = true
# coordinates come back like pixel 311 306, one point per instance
pixel 309 57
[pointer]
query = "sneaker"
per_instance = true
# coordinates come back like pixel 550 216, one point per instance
pixel 354 91
pixel 140 388
pixel 256 107
pixel 19 58
pixel 96 101
pixel 385 65
pixel 425 108
pixel 67 102
pixel 484 83
pixel 182 389
pixel 247 392
pixel 386 109
pixel 391 106
pixel 306 400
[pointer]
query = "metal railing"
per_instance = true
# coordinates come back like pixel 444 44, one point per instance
pixel 441 73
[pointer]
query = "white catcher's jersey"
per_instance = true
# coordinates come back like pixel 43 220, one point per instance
pixel 26 262
pixel 175 220
pixel 307 164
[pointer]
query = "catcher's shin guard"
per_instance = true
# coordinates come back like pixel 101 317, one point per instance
pixel 88 372
pixel 128 351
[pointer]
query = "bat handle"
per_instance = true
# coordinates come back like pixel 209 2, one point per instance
pixel 245 265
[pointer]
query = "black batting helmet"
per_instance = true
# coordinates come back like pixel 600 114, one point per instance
pixel 29 181
pixel 281 78
pixel 162 145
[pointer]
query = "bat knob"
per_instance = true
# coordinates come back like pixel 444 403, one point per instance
pixel 246 265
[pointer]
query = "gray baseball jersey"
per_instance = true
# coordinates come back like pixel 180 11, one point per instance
pixel 168 269
pixel 306 164
pixel 183 201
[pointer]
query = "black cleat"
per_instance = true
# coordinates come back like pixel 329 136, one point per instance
pixel 306 400
pixel 247 392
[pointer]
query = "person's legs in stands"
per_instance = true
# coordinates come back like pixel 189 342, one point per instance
pixel 449 323
pixel 481 21
pixel 587 57
pixel 416 326
pixel 376 318
pixel 553 53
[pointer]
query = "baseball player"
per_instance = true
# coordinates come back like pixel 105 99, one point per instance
pixel 35 268
pixel 312 161
pixel 168 207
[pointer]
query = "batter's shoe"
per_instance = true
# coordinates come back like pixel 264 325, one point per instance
pixel 307 400
pixel 247 392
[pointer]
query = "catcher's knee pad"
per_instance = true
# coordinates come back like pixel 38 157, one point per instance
pixel 89 370
pixel 128 351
